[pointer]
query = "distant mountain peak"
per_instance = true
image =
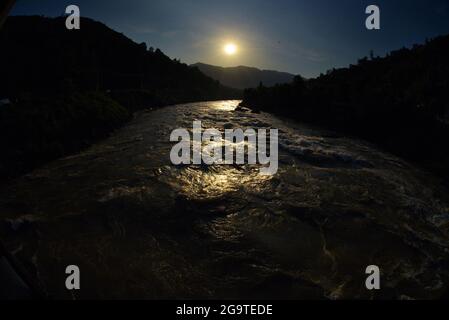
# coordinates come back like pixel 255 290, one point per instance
pixel 242 77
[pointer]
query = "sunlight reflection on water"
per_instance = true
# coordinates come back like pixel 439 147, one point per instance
pixel 212 182
pixel 224 105
pixel 218 180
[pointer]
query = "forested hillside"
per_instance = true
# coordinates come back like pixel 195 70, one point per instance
pixel 400 101
pixel 70 87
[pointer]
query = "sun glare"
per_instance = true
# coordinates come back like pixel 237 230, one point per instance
pixel 230 49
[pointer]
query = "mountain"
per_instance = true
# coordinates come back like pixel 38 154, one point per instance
pixel 40 54
pixel 400 101
pixel 244 77
pixel 69 88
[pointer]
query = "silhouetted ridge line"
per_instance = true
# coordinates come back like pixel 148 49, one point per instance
pixel 243 77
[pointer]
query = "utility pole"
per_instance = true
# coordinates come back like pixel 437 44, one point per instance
pixel 5 8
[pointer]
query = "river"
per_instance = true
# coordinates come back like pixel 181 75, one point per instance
pixel 139 227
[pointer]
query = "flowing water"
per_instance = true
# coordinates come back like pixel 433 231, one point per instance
pixel 139 227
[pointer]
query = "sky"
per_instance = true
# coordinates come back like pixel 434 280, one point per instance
pixel 305 37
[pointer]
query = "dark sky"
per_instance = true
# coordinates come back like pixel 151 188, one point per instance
pixel 298 36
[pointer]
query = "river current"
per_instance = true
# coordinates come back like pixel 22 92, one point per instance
pixel 139 227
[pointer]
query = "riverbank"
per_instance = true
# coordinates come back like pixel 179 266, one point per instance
pixel 37 129
pixel 400 102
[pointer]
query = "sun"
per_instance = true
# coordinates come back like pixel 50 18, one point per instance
pixel 230 49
